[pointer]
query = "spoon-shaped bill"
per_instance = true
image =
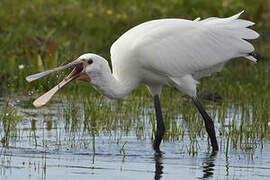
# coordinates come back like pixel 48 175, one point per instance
pixel 45 73
pixel 44 99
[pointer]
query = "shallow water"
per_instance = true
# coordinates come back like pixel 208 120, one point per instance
pixel 43 144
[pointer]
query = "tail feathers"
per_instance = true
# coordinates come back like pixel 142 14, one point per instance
pixel 251 58
pixel 236 30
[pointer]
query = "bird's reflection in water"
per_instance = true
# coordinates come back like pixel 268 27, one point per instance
pixel 208 165
pixel 158 164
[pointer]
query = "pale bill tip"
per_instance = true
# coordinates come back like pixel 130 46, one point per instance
pixel 28 79
pixel 38 104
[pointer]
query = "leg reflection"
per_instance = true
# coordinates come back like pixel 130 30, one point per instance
pixel 208 165
pixel 159 167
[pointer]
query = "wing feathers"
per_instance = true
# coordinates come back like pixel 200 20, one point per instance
pixel 243 33
pixel 236 30
pixel 176 47
pixel 217 20
pixel 251 58
pixel 197 19
pixel 239 23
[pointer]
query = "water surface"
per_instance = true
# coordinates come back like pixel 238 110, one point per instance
pixel 55 142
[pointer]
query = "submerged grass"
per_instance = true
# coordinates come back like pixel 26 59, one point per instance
pixel 8 119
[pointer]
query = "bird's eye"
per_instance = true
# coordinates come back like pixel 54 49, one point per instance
pixel 90 61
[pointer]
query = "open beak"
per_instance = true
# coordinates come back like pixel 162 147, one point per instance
pixel 77 73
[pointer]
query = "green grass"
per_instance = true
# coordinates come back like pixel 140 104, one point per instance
pixel 9 119
pixel 43 34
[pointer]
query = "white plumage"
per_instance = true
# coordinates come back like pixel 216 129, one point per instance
pixel 178 52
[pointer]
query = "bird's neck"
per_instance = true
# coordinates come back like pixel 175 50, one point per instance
pixel 110 86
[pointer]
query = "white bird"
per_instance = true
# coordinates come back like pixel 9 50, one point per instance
pixel 173 52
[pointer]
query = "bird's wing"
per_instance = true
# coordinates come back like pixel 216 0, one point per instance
pixel 176 47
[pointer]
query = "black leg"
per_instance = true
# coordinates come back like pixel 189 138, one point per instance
pixel 160 125
pixel 209 124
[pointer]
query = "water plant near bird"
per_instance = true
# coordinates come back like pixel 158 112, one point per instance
pixel 9 120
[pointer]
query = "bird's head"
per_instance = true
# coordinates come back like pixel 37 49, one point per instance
pixel 85 68
pixel 93 66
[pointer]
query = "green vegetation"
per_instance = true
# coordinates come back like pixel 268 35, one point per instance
pixel 8 121
pixel 41 34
